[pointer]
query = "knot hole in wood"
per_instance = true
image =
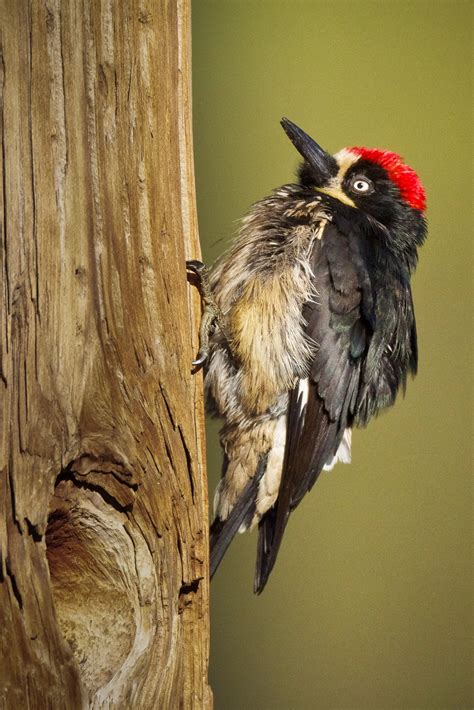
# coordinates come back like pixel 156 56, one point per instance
pixel 102 572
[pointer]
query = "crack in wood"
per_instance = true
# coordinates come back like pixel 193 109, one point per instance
pixel 36 290
pixel 90 482
pixel 168 405
pixel 187 592
pixel 33 530
pixel 13 582
pixel 5 211
pixel 189 460
pixel 11 486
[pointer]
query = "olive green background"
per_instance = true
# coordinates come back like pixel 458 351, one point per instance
pixel 370 603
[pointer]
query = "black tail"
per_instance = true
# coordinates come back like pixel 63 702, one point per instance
pixel 223 531
pixel 305 456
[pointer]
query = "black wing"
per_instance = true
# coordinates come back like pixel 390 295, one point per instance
pixel 340 322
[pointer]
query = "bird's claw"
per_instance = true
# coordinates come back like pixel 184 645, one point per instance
pixel 201 358
pixel 197 273
pixel 210 315
pixel 195 266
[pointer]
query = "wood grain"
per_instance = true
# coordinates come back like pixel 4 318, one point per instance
pixel 103 519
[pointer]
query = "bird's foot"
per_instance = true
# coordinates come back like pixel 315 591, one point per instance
pixel 198 275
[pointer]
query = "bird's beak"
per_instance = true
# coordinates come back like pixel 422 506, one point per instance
pixel 323 164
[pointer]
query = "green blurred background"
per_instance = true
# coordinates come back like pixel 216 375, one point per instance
pixel 370 603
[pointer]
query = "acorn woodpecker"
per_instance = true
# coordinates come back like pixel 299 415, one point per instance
pixel 308 331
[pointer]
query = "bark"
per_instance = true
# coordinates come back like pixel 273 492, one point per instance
pixel 103 508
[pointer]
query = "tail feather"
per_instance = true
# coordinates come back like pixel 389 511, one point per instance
pixel 305 456
pixel 222 532
pixel 266 530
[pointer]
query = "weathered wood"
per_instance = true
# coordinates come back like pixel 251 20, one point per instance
pixel 103 517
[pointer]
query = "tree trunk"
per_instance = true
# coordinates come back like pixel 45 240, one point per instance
pixel 103 507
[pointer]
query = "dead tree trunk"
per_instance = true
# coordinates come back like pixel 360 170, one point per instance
pixel 103 509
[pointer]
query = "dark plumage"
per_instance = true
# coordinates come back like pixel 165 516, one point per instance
pixel 317 331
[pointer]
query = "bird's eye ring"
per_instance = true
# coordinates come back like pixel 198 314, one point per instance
pixel 361 185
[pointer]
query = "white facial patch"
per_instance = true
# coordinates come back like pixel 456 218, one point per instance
pixel 345 158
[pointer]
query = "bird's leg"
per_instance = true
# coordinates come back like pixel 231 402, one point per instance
pixel 211 317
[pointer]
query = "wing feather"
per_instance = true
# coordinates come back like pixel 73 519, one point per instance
pixel 339 322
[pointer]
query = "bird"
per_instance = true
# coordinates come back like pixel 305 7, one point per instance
pixel 308 331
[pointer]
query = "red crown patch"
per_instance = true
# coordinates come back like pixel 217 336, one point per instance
pixel 403 176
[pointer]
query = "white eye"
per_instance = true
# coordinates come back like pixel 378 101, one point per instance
pixel 362 185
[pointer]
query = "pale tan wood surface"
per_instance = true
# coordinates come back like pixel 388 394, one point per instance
pixel 103 504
